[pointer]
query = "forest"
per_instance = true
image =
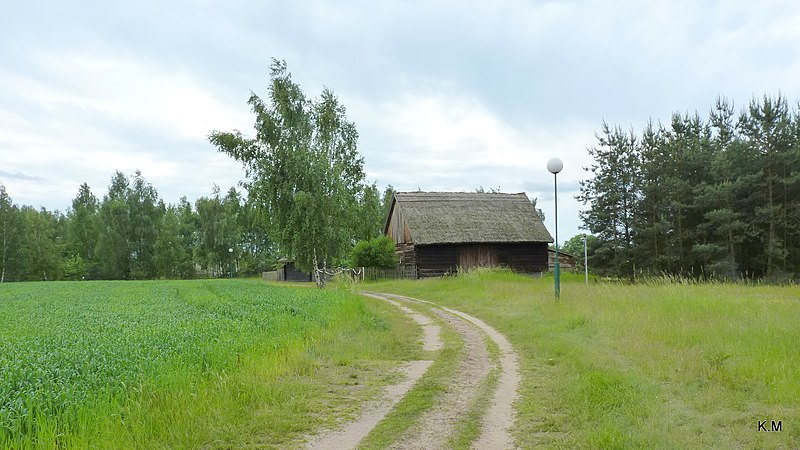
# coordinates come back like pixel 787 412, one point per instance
pixel 132 234
pixel 702 197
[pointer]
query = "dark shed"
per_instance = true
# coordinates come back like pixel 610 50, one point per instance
pixel 288 272
pixel 441 231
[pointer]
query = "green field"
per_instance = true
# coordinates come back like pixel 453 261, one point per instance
pixel 238 363
pixel 641 366
pixel 186 364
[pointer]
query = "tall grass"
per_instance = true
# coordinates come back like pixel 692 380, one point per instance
pixel 182 364
pixel 664 365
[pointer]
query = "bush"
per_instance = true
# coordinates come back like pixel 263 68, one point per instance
pixel 73 268
pixel 377 252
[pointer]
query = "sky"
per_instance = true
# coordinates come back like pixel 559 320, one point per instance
pixel 446 95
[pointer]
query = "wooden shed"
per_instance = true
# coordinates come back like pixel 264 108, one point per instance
pixel 442 231
pixel 287 271
pixel 567 260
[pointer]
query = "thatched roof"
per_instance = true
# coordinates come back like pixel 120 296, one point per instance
pixel 456 217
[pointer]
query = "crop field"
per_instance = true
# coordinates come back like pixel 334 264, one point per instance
pixel 659 365
pixel 185 364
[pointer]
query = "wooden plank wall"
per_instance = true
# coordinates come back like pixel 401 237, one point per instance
pixel 397 228
pixel 438 260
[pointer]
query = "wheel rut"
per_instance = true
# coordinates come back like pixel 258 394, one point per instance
pixel 438 425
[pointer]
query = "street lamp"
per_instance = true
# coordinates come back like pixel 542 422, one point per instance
pixel 585 261
pixel 554 166
pixel 230 252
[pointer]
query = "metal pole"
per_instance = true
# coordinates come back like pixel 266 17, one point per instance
pixel 557 268
pixel 585 261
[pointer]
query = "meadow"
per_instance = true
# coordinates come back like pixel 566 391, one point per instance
pixel 658 365
pixel 187 364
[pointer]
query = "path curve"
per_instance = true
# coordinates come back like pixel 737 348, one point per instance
pixel 350 434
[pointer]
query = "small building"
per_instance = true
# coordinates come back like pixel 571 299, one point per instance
pixel 287 271
pixel 440 232
pixel 567 261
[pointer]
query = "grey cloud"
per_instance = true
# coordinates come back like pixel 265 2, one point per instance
pixel 20 176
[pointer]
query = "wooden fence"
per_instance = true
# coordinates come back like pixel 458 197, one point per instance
pixel 372 273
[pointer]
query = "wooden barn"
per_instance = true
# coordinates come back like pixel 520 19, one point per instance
pixel 441 231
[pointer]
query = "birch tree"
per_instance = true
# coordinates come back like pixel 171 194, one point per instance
pixel 303 169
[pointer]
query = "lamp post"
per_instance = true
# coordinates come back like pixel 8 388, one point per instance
pixel 230 252
pixel 554 166
pixel 585 261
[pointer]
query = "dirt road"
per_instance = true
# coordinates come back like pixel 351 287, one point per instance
pixel 437 425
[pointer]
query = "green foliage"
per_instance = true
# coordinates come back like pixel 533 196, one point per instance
pixel 386 203
pixel 376 252
pixel 172 257
pixel 716 197
pixel 611 194
pixel 73 268
pixel 218 235
pixel 9 234
pixel 83 225
pixel 574 246
pixel 132 234
pixel 305 171
pixel 113 246
pixel 371 214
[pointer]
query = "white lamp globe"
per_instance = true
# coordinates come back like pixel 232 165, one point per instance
pixel 555 165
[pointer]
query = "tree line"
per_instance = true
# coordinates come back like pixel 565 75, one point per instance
pixel 132 234
pixel 715 196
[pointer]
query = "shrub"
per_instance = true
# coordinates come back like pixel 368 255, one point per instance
pixel 377 252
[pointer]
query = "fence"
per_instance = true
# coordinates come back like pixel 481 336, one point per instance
pixel 270 276
pixel 373 273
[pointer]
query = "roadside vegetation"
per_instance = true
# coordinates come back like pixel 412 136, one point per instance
pixel 659 365
pixel 188 364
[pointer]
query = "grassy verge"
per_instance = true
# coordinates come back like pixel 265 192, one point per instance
pixel 633 366
pixel 220 364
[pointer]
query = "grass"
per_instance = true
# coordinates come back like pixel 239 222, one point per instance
pixel 187 364
pixel 640 366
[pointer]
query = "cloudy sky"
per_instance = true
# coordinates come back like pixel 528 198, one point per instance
pixel 446 95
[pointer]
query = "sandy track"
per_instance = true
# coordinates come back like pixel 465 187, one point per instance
pixel 496 424
pixel 437 425
pixel 495 431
